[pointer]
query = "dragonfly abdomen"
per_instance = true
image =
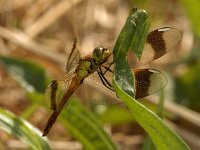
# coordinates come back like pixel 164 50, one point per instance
pixel 75 83
pixel 50 122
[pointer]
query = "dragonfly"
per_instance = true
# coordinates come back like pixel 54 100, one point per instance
pixel 148 81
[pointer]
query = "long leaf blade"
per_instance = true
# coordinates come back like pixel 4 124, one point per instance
pixel 85 127
pixel 21 129
pixel 163 137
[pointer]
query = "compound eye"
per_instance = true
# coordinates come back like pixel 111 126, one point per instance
pixel 106 50
pixel 97 53
pixel 105 53
pixel 101 54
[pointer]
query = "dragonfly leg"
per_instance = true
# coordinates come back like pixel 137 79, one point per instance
pixel 104 80
pixel 103 77
pixel 107 68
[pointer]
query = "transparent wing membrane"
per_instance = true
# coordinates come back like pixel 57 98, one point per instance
pixel 73 58
pixel 148 81
pixel 158 43
pixel 55 92
pixel 101 95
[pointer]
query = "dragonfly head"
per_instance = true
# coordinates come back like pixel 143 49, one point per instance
pixel 100 54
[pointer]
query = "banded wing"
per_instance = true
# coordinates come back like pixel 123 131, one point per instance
pixel 158 43
pixel 100 94
pixel 58 88
pixel 73 58
pixel 148 81
pixel 55 92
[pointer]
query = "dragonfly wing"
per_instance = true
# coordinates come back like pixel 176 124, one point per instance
pixel 103 95
pixel 148 81
pixel 55 91
pixel 158 43
pixel 73 58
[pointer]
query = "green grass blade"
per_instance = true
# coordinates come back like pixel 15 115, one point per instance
pixel 137 25
pixel 24 131
pixel 82 124
pixel 30 75
pixel 85 127
pixel 162 136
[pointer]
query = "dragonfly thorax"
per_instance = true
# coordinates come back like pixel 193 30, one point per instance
pixel 89 66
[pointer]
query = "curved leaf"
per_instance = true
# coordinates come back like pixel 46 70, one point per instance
pixel 28 74
pixel 21 129
pixel 85 127
pixel 137 25
pixel 163 137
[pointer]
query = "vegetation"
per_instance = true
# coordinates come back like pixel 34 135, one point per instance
pixel 35 40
